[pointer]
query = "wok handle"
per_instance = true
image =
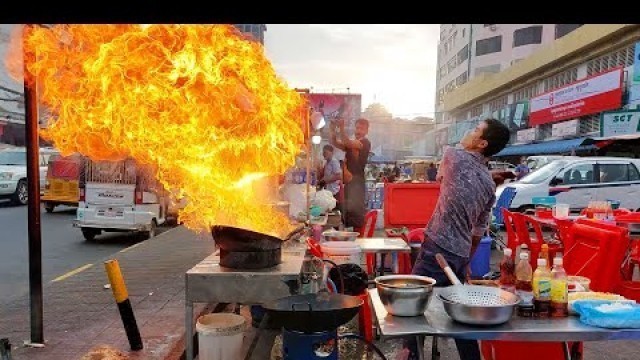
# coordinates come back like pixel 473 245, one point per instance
pixel 447 270
pixel 293 306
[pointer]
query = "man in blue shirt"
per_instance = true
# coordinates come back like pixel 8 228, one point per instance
pixel 522 169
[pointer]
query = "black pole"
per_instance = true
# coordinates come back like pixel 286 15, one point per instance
pixel 33 188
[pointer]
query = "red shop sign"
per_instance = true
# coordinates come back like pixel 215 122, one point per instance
pixel 594 94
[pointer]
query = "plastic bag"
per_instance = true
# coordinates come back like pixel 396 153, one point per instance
pixel 608 314
pixel 296 194
pixel 355 278
pixel 325 200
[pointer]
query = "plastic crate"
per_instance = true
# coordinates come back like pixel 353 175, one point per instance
pixel 409 205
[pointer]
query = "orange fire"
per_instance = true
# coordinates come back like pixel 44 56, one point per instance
pixel 199 103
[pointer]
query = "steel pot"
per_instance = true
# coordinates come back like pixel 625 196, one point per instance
pixel 405 295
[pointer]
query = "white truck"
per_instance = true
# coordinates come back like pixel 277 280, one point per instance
pixel 119 196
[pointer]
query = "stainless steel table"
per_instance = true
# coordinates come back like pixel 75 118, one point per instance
pixel 382 246
pixel 208 282
pixel 436 322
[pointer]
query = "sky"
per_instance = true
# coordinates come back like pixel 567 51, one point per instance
pixel 394 65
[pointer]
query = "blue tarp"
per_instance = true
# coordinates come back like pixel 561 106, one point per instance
pixel 549 147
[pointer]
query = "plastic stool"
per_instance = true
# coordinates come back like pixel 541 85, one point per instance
pixel 365 320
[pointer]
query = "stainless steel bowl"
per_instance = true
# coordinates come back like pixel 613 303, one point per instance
pixel 405 295
pixel 335 235
pixel 480 314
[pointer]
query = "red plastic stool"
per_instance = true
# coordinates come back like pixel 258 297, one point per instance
pixel 529 350
pixel 365 319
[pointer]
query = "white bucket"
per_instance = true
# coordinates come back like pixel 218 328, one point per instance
pixel 341 252
pixel 220 336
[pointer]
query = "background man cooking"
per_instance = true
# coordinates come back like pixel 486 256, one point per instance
pixel 462 213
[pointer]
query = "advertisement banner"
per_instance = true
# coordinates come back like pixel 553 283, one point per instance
pixel 619 123
pixel 594 94
pixel 565 128
pixel 526 136
pixel 333 106
pixel 636 64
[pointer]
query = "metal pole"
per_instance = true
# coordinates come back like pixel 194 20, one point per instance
pixel 33 190
pixel 308 122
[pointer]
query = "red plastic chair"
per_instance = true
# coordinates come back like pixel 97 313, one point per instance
pixel 523 223
pixel 415 236
pixel 597 251
pixel 512 235
pixel 533 350
pixel 370 220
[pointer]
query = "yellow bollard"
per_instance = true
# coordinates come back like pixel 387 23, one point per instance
pixel 124 305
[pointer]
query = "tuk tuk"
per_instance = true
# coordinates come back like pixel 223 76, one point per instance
pixel 62 181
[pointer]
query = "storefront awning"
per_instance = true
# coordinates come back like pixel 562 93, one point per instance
pixel 549 147
pixel 619 137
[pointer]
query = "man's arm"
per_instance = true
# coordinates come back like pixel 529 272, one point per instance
pixel 333 138
pixel 481 225
pixel 344 139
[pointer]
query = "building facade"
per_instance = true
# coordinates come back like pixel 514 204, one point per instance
pixel 255 30
pixel 469 50
pixel 556 96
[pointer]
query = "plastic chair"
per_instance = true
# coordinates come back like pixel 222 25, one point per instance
pixel 597 250
pixel 521 350
pixel 370 220
pixel 509 225
pixel 503 202
pixel 415 236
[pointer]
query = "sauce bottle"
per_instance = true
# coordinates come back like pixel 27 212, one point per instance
pixel 559 290
pixel 524 275
pixel 507 272
pixel 542 290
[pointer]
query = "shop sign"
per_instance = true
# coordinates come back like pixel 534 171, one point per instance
pixel 614 123
pixel 591 95
pixel 526 136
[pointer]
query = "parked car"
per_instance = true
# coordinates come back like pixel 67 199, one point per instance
pixel 577 180
pixel 535 162
pixel 13 173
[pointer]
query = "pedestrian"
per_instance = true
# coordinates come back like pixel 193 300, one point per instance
pixel 355 159
pixel 432 172
pixel 462 213
pixel 332 173
pixel 522 169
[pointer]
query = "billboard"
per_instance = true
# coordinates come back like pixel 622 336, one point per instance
pixel 591 95
pixel 333 106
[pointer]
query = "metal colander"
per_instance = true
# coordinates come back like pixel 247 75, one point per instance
pixel 476 295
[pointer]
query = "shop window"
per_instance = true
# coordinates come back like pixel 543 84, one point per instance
pixel 463 54
pixel 564 29
pixel 528 35
pixel 489 45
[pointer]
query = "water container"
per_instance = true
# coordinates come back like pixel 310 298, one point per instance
pixel 220 336
pixel 481 261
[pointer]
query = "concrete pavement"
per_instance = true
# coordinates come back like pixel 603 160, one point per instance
pixel 79 313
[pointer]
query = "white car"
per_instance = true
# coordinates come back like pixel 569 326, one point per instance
pixel 535 162
pixel 578 180
pixel 13 173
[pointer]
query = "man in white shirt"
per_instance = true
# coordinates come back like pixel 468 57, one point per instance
pixel 332 171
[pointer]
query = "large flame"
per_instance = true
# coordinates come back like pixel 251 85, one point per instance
pixel 199 103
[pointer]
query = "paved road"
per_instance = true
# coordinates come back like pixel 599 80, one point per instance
pixel 63 247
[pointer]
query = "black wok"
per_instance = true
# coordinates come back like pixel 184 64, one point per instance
pixel 232 238
pixel 311 313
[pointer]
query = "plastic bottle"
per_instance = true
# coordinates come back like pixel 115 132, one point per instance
pixel 544 254
pixel 559 290
pixel 524 275
pixel 542 289
pixel 508 272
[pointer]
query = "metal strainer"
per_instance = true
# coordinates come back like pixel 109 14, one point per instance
pixel 475 304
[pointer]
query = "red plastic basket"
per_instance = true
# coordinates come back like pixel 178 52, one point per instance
pixel 409 205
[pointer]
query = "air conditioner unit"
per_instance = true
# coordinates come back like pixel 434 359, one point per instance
pixel 493 27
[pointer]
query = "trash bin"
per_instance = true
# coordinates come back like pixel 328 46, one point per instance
pixel 220 336
pixel 481 261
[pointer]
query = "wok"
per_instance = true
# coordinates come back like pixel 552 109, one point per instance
pixel 232 238
pixel 310 313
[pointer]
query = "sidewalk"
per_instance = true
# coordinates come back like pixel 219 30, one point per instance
pixel 80 314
